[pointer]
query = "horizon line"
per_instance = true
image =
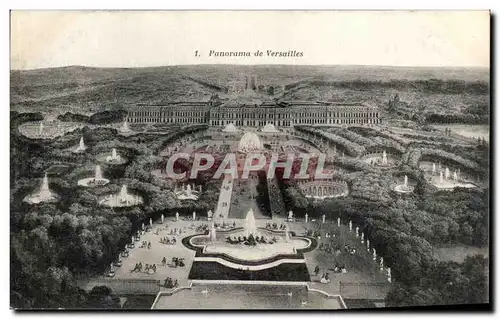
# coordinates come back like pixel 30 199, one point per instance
pixel 263 64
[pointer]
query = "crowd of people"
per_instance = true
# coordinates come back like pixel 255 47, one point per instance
pixel 145 244
pixel 170 284
pixel 168 240
pixel 149 269
pixel 175 231
pixel 274 226
pixel 177 262
pixel 251 238
pixel 332 247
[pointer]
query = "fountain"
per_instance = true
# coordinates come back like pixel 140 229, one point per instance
pixel 125 128
pixel 448 182
pixel 114 158
pixel 270 128
pixel 404 188
pixel 187 193
pixel 98 173
pixel 249 243
pixel 81 147
pixel 97 180
pixel 250 142
pixel 230 128
pixel 384 158
pixel 380 160
pixel 122 199
pixel 43 195
pixel 250 227
pixel 123 193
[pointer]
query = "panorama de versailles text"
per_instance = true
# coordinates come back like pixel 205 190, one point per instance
pixel 258 53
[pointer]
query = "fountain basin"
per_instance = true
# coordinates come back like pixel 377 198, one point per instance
pixel 244 254
pixel 380 161
pixel 188 193
pixel 93 182
pixel 186 197
pixel 121 199
pixel 112 158
pixel 403 189
pixel 44 195
pixel 37 199
pixel 115 200
pixel 320 190
pixel 450 184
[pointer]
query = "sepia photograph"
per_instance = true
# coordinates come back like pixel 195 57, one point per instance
pixel 250 160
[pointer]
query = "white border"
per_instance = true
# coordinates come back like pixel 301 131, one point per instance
pixel 199 4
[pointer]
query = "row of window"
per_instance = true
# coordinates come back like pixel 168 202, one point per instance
pixel 255 122
pixel 254 115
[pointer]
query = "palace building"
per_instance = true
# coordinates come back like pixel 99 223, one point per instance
pixel 217 113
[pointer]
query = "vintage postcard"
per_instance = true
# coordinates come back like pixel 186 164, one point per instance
pixel 213 160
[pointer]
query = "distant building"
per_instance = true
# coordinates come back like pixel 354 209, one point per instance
pixel 283 114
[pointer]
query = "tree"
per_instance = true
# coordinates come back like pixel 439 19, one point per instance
pixel 102 297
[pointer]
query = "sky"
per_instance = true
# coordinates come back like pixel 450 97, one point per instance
pixel 42 39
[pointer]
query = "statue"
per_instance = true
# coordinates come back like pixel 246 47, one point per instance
pixel 213 234
pixel 209 215
pixel 357 231
pixel 151 222
pixel 350 225
pixel 362 238
pixel 368 244
pixel 389 277
pixel 307 217
pixel 324 218
pixel 162 218
pixel 194 213
pixel 132 240
pixel 176 216
pixel 338 222
pixel 290 215
pixel 142 227
pixel 381 264
pixel 374 254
